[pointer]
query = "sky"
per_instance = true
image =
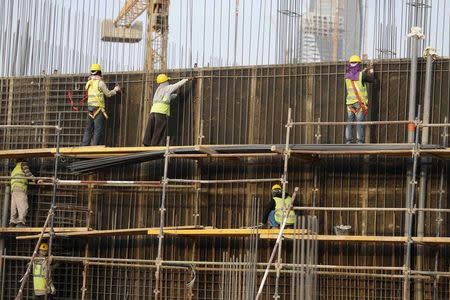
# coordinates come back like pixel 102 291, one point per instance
pixel 64 35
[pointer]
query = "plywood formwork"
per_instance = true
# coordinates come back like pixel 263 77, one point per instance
pixel 223 101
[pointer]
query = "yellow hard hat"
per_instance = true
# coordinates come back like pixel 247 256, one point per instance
pixel 355 58
pixel 96 67
pixel 276 187
pixel 43 247
pixel 161 78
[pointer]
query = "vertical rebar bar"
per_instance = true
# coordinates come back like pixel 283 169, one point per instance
pixel 4 223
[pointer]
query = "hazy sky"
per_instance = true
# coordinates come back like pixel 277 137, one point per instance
pixel 65 34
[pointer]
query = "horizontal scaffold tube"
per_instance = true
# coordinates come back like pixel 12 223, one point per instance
pixel 393 209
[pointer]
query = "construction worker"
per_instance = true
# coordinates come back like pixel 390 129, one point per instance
pixel 96 90
pixel 41 266
pixel 356 96
pixel 19 197
pixel 274 210
pixel 160 110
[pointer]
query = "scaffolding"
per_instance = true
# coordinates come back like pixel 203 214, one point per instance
pixel 109 242
pixel 305 231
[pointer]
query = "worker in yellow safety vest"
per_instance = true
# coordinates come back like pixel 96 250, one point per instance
pixel 160 110
pixel 41 268
pixel 20 176
pixel 357 99
pixel 96 90
pixel 275 211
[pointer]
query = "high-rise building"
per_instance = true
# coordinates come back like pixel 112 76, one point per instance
pixel 329 30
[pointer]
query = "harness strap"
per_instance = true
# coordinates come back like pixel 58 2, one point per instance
pixel 93 114
pixel 80 103
pixel 363 107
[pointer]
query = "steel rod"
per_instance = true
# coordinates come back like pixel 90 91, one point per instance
pixel 393 209
pixel 410 203
pixel 275 248
pixel 162 223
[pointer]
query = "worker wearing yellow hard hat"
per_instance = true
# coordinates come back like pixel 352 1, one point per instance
pixel 160 111
pixel 356 100
pixel 43 247
pixel 96 90
pixel 275 209
pixel 41 266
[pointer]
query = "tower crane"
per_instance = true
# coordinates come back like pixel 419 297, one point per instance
pixel 122 29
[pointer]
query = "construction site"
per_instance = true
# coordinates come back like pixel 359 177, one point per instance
pixel 185 219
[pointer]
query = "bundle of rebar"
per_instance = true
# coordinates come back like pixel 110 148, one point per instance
pixel 236 150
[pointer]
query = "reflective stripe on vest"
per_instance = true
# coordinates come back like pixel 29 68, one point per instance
pixel 279 210
pixel 161 108
pixel 362 91
pixel 18 182
pixel 161 101
pixel 39 276
pixel 95 96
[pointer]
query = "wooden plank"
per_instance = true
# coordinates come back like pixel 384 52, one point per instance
pixel 108 232
pixel 39 229
pixel 289 234
pixel 228 232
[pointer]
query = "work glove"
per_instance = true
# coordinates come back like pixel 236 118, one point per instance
pixel 117 88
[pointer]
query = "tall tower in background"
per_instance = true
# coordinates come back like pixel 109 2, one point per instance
pixel 321 30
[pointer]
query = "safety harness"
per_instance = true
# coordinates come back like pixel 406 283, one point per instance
pixel 80 103
pixel 92 114
pixel 361 104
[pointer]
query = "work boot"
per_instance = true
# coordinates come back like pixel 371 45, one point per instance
pixel 21 225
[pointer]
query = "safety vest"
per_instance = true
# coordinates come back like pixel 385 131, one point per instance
pixel 161 108
pixel 161 101
pixel 40 269
pixel 360 87
pixel 21 183
pixel 95 95
pixel 279 210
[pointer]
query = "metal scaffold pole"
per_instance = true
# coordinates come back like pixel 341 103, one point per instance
pixel 439 219
pixel 49 222
pixel 53 204
pixel 424 165
pixel 410 205
pixel 162 210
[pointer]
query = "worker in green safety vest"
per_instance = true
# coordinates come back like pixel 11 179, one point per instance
pixel 160 110
pixel 357 100
pixel 274 212
pixel 20 176
pixel 96 91
pixel 41 267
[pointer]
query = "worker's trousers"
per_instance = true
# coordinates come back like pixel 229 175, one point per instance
pixel 94 133
pixel 351 116
pixel 156 127
pixel 19 206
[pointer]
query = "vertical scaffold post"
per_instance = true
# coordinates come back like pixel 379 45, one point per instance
pixel 410 206
pixel 162 210
pixel 439 218
pixel 53 204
